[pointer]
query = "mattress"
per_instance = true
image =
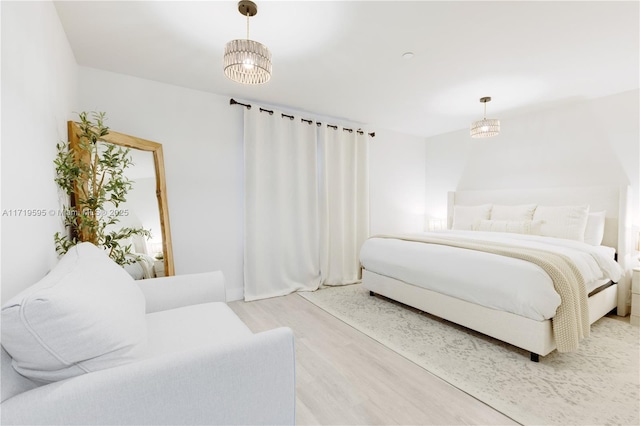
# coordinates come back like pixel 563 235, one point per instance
pixel 490 280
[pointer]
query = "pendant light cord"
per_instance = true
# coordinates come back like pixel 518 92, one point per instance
pixel 247 25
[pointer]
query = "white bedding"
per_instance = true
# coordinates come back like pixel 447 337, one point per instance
pixel 142 268
pixel 494 281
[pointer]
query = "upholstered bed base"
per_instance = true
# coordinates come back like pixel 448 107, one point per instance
pixel 531 335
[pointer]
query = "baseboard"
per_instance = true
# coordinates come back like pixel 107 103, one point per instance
pixel 235 294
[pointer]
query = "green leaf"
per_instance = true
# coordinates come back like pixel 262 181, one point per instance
pixel 96 195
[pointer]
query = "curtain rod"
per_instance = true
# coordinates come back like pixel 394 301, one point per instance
pixel 291 117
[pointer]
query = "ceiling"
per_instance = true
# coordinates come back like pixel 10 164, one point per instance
pixel 343 59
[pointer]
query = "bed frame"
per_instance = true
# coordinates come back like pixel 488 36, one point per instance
pixel 531 335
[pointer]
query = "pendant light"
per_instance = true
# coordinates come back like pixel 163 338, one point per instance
pixel 247 61
pixel 487 127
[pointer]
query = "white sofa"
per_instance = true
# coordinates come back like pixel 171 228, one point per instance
pixel 200 365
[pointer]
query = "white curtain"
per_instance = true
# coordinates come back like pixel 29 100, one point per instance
pixel 282 235
pixel 306 204
pixel 344 203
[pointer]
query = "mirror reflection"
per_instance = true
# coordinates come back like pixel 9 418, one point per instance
pixel 141 211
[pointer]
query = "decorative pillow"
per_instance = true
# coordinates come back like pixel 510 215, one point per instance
pixel 515 227
pixel 87 314
pixel 594 232
pixel 568 222
pixel 519 212
pixel 465 216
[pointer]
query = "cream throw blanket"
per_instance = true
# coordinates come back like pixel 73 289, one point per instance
pixel 571 322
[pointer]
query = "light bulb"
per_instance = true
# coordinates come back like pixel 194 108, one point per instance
pixel 248 64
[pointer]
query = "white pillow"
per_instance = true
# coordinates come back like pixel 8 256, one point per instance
pixel 568 222
pixel 465 216
pixel 519 212
pixel 594 232
pixel 531 227
pixel 87 314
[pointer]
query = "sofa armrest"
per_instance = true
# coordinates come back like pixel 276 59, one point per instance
pixel 250 381
pixel 183 290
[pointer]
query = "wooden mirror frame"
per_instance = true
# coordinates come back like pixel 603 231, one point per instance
pixel 127 141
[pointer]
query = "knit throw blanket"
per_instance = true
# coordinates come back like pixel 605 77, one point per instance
pixel 571 322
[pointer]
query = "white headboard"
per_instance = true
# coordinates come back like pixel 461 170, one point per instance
pixel 612 199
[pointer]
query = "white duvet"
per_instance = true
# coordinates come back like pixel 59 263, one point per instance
pixel 491 280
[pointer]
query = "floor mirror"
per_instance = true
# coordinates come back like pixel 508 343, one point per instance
pixel 146 204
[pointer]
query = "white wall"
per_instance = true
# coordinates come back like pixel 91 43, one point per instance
pixel 142 203
pixel 201 136
pixel 202 142
pixel 39 78
pixel 595 142
pixel 396 183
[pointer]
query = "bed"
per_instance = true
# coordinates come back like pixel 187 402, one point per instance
pixel 142 265
pixel 514 301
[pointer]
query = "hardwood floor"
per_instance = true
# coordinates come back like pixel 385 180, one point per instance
pixel 344 377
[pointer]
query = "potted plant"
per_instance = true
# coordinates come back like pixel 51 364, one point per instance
pixel 92 175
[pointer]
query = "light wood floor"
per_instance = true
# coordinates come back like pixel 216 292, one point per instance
pixel 343 377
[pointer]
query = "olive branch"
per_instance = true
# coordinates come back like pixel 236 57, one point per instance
pixel 92 175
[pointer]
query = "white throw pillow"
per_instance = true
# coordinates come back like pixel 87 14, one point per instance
pixel 594 232
pixel 568 222
pixel 465 216
pixel 87 314
pixel 519 212
pixel 531 227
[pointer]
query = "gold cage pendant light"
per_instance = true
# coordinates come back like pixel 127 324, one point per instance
pixel 247 61
pixel 487 127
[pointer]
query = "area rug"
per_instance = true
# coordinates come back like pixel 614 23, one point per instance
pixel 597 385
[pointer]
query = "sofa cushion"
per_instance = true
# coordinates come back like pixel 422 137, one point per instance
pixel 12 382
pixel 191 327
pixel 87 314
